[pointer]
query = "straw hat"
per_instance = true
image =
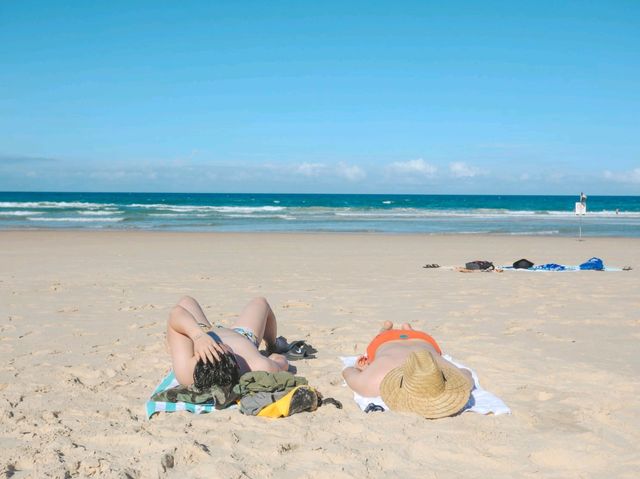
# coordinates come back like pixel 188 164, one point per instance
pixel 422 386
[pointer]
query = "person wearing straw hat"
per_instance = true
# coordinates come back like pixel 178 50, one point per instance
pixel 406 369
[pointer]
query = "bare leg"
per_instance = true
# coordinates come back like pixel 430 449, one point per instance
pixel 191 305
pixel 259 318
pixel 406 326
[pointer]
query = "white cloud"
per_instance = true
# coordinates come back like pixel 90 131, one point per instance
pixel 460 169
pixel 111 175
pixel 418 166
pixel 309 169
pixel 632 176
pixel 556 177
pixel 351 172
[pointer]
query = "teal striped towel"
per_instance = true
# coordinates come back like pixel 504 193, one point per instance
pixel 169 382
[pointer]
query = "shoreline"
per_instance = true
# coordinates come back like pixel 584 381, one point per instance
pixel 312 233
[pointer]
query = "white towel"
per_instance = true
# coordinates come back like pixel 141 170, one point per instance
pixel 481 401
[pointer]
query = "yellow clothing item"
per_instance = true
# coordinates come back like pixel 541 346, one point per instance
pixel 299 399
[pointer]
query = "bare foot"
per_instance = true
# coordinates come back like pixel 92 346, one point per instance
pixel 386 326
pixel 280 360
pixel 406 326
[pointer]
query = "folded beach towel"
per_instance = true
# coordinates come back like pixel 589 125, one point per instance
pixel 170 382
pixel 481 401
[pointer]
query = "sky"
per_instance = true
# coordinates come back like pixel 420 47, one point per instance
pixel 425 97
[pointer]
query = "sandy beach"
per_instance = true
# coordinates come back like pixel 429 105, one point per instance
pixel 82 324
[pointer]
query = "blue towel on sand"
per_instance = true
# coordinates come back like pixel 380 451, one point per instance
pixel 548 267
pixel 169 382
pixel 592 264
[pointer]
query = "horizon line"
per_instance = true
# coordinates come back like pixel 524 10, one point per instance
pixel 300 194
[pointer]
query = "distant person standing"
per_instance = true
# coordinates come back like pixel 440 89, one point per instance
pixel 583 198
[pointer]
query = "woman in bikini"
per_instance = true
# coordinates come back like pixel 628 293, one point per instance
pixel 387 351
pixel 192 341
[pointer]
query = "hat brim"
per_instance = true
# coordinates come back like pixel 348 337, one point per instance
pixel 456 393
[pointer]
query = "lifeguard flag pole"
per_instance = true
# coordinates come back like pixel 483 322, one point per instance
pixel 581 210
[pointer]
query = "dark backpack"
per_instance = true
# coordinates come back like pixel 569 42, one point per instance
pixel 480 265
pixel 522 264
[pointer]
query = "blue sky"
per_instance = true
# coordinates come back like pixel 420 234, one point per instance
pixel 374 97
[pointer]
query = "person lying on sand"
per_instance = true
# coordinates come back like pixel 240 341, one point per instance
pixel 204 354
pixel 406 369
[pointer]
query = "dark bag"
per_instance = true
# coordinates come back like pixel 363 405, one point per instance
pixel 522 264
pixel 480 265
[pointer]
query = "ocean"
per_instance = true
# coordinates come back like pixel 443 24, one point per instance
pixel 458 214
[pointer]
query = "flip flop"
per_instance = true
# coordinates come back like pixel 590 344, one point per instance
pixel 332 401
pixel 372 407
pixel 300 350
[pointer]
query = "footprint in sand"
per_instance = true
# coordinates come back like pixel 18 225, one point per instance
pixel 69 309
pixel 544 396
pixel 143 326
pixel 8 327
pixel 138 308
pixel 292 304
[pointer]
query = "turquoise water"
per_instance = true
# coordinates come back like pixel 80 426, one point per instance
pixel 517 215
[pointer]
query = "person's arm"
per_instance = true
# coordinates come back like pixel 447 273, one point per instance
pixel 183 322
pixel 204 346
pixel 361 381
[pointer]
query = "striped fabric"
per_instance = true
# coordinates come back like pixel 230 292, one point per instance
pixel 169 382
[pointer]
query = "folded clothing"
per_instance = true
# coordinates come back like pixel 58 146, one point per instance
pixel 252 404
pixel 299 399
pixel 275 394
pixel 262 381
pixel 481 401
pixel 171 396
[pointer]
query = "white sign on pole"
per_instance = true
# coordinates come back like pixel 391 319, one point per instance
pixel 581 210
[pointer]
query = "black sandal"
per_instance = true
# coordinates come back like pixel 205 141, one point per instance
pixel 300 350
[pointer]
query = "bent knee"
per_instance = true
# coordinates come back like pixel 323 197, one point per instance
pixel 176 312
pixel 261 301
pixel 186 301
